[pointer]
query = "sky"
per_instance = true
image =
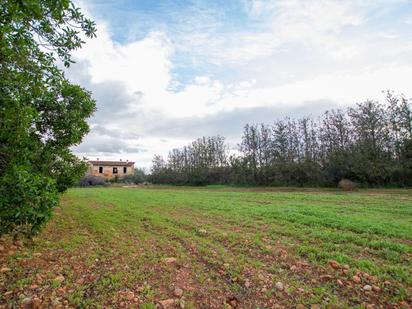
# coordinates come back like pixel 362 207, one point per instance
pixel 164 72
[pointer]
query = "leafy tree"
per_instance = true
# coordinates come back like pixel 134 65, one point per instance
pixel 203 161
pixel 372 148
pixel 400 115
pixel 41 113
pixel 336 146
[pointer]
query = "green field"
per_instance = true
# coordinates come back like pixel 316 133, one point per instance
pixel 218 247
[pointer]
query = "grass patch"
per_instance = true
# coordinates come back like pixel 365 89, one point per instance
pixel 229 245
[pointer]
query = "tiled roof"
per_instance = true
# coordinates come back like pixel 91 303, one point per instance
pixel 112 163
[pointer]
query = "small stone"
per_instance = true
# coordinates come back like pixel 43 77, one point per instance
pixel 264 290
pixel 170 260
pixel 1 248
pixel 304 264
pixel 339 282
pixel 167 303
pixel 5 270
pixel 56 302
pixel 37 254
pixel 33 286
pixel 19 243
pixel 300 306
pixel 27 303
pixel 367 288
pixel 283 253
pixel 376 288
pixel 314 306
pixel 247 284
pixel 178 292
pixel 279 286
pixel 36 303
pixel 334 264
pixel 293 267
pixel 59 278
pixel 233 303
pixel 80 281
pixel 346 266
pixel 370 306
pixel 202 232
pixel 356 279
pixel 61 291
pixel 129 295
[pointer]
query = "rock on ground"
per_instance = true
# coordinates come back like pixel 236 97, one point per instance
pixel 279 285
pixel 167 303
pixel 178 292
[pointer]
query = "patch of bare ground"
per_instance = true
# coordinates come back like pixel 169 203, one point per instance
pixel 282 280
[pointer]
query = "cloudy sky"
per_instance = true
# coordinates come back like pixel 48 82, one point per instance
pixel 168 71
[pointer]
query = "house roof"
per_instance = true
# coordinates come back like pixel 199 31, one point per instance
pixel 112 163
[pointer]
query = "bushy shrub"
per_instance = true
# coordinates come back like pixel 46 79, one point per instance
pixel 90 180
pixel 137 177
pixel 67 172
pixel 347 185
pixel 27 201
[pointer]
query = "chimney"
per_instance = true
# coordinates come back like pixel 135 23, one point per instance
pixel 97 159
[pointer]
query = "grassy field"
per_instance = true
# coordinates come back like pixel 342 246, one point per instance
pixel 216 247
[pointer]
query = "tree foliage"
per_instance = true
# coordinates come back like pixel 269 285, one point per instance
pixel 370 144
pixel 138 176
pixel 41 113
pixel 199 163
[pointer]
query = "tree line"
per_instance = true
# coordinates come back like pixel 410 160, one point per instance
pixel 370 143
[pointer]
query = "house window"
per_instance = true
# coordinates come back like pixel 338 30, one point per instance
pixel 124 170
pixel 114 170
pixel 100 169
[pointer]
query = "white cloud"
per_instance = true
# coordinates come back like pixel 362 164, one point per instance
pixel 142 65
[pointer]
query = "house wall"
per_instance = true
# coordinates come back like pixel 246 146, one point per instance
pixel 108 171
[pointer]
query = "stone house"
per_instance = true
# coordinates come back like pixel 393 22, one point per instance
pixel 110 169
